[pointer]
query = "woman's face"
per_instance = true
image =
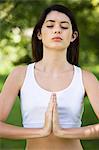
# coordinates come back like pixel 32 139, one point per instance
pixel 56 31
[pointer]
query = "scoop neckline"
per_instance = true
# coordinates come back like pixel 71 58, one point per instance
pixel 59 91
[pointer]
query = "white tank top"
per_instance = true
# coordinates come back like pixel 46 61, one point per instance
pixel 34 101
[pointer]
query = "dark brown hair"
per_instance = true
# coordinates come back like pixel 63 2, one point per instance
pixel 37 45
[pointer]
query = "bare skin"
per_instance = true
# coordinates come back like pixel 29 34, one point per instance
pixel 51 142
pixel 57 74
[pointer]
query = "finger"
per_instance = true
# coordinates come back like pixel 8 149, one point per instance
pixel 51 103
pixel 55 110
pixel 54 97
pixel 49 111
pixel 55 102
pixel 51 106
pixel 55 118
pixel 55 113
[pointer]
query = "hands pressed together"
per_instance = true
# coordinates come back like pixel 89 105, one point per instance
pixel 51 117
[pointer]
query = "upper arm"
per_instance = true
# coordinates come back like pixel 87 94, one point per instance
pixel 92 90
pixel 10 90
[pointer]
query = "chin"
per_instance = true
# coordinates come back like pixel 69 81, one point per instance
pixel 57 47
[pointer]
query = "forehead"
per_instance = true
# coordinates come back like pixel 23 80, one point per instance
pixel 57 16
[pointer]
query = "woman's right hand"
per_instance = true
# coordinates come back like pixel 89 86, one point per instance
pixel 48 117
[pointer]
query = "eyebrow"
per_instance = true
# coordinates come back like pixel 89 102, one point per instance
pixel 60 22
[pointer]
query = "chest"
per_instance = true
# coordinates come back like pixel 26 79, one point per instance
pixel 38 87
pixel 68 100
pixel 54 82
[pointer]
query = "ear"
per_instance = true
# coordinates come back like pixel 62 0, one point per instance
pixel 39 35
pixel 74 36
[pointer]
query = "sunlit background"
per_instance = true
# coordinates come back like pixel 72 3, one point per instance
pixel 17 19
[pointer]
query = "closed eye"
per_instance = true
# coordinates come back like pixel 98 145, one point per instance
pixel 50 26
pixel 64 27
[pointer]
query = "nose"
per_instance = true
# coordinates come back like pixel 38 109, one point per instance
pixel 57 32
pixel 57 29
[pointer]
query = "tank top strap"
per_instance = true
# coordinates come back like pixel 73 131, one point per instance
pixel 28 75
pixel 30 71
pixel 79 77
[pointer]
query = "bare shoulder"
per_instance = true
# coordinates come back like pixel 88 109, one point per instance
pixel 89 78
pixel 88 75
pixel 91 85
pixel 19 70
pixel 17 75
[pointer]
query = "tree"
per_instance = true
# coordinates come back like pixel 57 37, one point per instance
pixel 18 16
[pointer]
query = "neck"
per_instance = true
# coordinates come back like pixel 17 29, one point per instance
pixel 54 61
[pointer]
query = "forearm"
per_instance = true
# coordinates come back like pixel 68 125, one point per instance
pixel 15 132
pixel 87 132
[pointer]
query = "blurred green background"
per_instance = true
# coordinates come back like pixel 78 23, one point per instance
pixel 17 19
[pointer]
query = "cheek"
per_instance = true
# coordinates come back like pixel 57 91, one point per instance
pixel 68 36
pixel 45 35
pixel 44 38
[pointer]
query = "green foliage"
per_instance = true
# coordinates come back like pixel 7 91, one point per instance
pixel 18 16
pixel 17 19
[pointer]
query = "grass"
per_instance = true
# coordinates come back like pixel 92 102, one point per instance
pixel 15 118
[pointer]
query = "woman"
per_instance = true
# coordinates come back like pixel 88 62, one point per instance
pixel 52 88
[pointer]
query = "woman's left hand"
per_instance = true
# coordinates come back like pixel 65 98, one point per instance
pixel 56 127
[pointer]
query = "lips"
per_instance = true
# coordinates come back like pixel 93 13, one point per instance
pixel 57 38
